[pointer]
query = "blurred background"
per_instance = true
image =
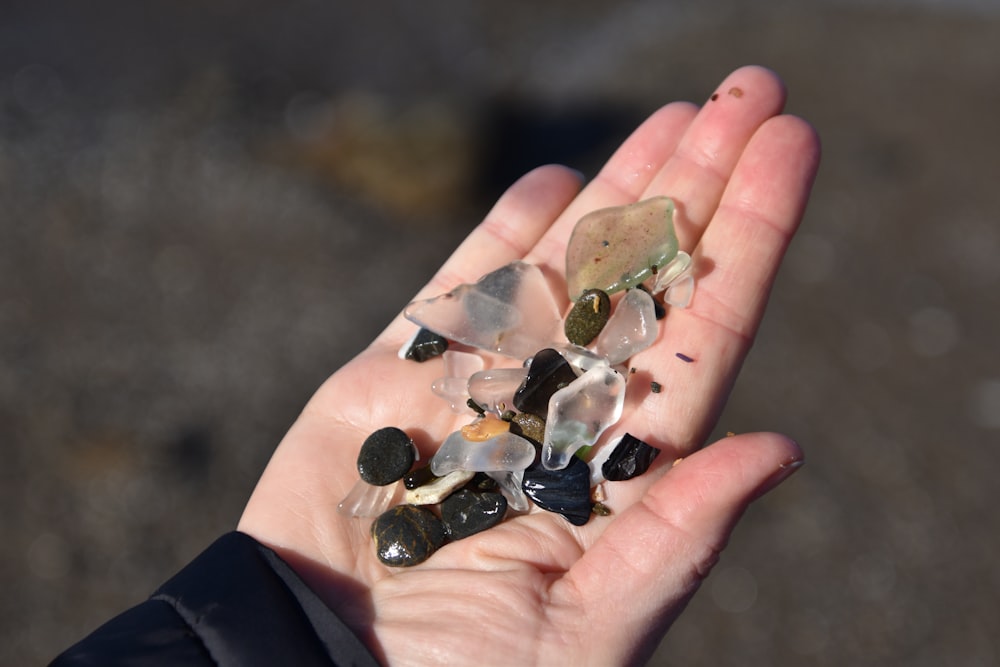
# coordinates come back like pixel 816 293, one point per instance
pixel 192 193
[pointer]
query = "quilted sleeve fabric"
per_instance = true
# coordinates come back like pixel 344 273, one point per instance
pixel 238 603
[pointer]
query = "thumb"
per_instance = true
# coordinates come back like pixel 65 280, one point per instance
pixel 652 558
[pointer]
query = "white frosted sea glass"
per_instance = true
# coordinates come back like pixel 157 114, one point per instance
pixel 504 451
pixel 367 500
pixel 511 311
pixel 510 486
pixel 494 389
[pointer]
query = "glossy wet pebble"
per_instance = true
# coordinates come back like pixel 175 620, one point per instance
pixel 386 455
pixel 630 458
pixel 587 317
pixel 426 345
pixel 467 512
pixel 565 491
pixel 406 535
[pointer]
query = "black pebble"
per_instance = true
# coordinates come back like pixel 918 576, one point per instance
pixel 407 535
pixel 587 317
pixel 630 458
pixel 419 477
pixel 426 345
pixel 466 512
pixel 565 491
pixel 548 373
pixel 386 455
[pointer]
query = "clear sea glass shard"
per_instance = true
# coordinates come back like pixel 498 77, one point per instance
pixel 631 329
pixel 494 389
pixel 680 292
pixel 454 386
pixel 510 486
pixel 510 311
pixel 580 412
pixel 601 454
pixel 580 358
pixel 367 500
pixel 676 281
pixel 615 248
pixel 505 451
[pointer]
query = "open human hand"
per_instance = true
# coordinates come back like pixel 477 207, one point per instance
pixel 536 589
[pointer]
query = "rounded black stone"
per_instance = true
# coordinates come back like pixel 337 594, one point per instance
pixel 548 373
pixel 565 491
pixel 386 455
pixel 630 458
pixel 419 477
pixel 406 535
pixel 426 345
pixel 587 317
pixel 467 512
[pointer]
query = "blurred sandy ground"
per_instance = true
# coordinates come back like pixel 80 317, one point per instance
pixel 186 192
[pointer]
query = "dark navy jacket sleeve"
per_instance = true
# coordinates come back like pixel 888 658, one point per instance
pixel 238 603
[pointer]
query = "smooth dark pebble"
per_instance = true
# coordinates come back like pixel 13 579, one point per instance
pixel 630 458
pixel 587 317
pixel 419 477
pixel 548 373
pixel 466 512
pixel 426 345
pixel 406 535
pixel 386 455
pixel 565 491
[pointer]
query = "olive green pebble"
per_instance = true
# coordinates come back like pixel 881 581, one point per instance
pixel 528 426
pixel 386 455
pixel 587 317
pixel 407 535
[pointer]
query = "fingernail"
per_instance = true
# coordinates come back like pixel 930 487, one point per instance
pixel 784 471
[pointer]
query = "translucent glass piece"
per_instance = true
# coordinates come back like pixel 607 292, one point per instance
pixel 503 452
pixel 615 248
pixel 439 489
pixel 510 486
pixel 676 281
pixel 367 500
pixel 454 386
pixel 510 311
pixel 494 389
pixel 680 292
pixel 579 414
pixel 600 455
pixel 581 358
pixel 631 329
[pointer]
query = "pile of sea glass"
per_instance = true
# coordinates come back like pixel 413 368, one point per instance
pixel 535 428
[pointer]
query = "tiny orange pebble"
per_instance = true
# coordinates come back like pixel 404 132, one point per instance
pixel 485 428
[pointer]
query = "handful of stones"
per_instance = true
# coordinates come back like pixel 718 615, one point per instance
pixel 534 436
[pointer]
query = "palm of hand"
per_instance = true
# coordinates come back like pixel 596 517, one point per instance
pixel 536 589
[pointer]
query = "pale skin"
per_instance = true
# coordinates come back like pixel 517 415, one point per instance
pixel 535 589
